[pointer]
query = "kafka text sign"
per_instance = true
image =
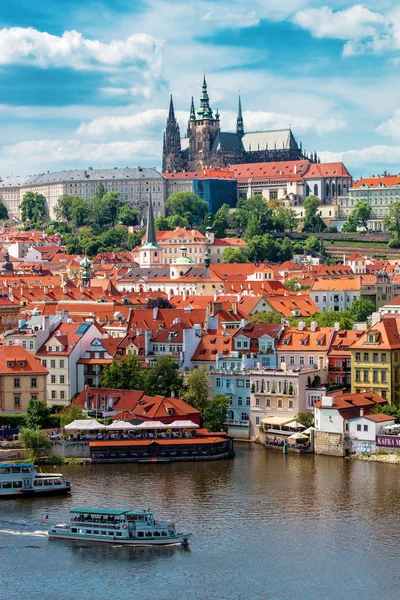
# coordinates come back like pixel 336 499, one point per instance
pixel 388 441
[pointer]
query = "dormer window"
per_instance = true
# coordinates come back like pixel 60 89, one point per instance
pixel 319 342
pixel 302 342
pixel 21 363
pixel 10 364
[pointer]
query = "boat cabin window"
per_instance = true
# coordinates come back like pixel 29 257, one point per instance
pixel 57 482
pixel 4 470
pixel 15 469
pixel 104 533
pixel 149 534
pixel 88 531
pixel 140 534
pixel 156 534
pixel 37 483
pixel 25 470
pixel 164 533
pixel 47 482
pixel 17 484
pixel 7 485
pixel 119 534
pixel 95 531
pixel 73 530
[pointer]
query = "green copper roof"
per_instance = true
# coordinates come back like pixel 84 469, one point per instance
pixel 204 111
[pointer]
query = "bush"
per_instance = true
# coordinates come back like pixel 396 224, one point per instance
pixel 33 442
pixel 13 421
pixel 394 243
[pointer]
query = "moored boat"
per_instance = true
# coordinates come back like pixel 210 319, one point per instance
pixel 115 526
pixel 21 479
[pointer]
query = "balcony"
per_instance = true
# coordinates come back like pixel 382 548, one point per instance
pixel 237 423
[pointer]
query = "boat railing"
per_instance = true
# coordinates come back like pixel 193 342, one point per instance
pixel 105 524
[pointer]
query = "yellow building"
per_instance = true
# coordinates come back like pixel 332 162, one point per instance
pixel 375 360
pixel 22 377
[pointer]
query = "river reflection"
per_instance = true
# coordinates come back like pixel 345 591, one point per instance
pixel 264 526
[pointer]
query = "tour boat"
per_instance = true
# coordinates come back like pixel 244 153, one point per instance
pixel 21 479
pixel 124 527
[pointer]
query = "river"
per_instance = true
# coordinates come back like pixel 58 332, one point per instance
pixel 265 526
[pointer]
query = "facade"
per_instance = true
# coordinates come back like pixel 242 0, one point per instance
pixel 375 359
pixel 135 185
pixel 379 192
pixel 22 377
pixel 336 294
pixel 205 145
pixel 305 346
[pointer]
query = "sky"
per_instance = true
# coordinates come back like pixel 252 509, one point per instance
pixel 88 83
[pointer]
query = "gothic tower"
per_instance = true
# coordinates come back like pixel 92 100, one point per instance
pixel 172 156
pixel 239 120
pixel 150 254
pixel 203 128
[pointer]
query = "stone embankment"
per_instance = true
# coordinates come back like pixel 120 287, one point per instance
pixel 393 459
pixel 11 451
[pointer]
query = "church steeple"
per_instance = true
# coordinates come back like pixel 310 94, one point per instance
pixel 150 254
pixel 204 111
pixel 151 237
pixel 192 111
pixel 239 120
pixel 172 157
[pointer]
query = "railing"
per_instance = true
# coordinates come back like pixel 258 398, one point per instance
pixel 237 423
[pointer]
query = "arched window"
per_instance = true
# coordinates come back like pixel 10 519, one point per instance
pixel 327 190
pixel 333 189
pixel 307 190
pixel 316 190
pixel 338 189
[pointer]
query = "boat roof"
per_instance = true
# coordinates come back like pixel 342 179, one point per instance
pixel 17 464
pixel 116 512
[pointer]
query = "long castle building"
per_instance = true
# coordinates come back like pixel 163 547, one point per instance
pixel 205 145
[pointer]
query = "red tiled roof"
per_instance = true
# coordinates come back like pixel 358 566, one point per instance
pixel 388 181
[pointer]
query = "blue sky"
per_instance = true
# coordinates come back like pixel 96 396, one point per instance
pixel 87 84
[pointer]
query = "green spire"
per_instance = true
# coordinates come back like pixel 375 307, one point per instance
pixel 204 111
pixel 239 120
pixel 151 237
pixel 192 111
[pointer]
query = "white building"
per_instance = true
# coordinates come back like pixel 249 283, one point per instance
pixel 335 294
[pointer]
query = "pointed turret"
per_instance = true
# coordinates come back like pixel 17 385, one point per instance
pixel 239 120
pixel 171 113
pixel 151 237
pixel 192 111
pixel 204 111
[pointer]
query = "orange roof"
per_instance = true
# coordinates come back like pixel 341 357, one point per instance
pixel 287 305
pixel 294 339
pixel 387 333
pixel 342 340
pixel 388 181
pixel 336 284
pixel 16 354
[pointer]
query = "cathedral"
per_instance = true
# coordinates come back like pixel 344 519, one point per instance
pixel 205 145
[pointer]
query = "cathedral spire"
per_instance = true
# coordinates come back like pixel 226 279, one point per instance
pixel 171 114
pixel 239 120
pixel 192 112
pixel 204 111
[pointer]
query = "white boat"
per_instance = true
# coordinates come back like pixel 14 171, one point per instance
pixel 21 479
pixel 124 527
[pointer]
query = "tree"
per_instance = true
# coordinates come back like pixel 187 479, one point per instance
pixel 38 414
pixel 361 214
pixel 284 248
pixel 63 208
pixel 72 413
pixel 162 224
pixel 266 317
pixel 128 215
pixel 188 206
pixel 33 207
pixel 285 219
pixel 124 374
pixel 177 221
pixel 292 284
pixel 221 221
pixel 163 378
pixel 392 220
pixel 361 309
pixel 197 389
pixel 113 204
pixel 100 191
pixel 215 413
pixel 3 211
pixel 34 442
pixel 234 255
pixel 306 419
pixel 135 239
pixel 256 207
pixel 80 212
pixel 312 221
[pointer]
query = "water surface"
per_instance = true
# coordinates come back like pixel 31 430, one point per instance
pixel 265 526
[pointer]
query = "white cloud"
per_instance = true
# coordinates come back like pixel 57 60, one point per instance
pixel 261 120
pixel 372 155
pixel 352 23
pixel 35 155
pixel 71 50
pixel 391 127
pixel 231 19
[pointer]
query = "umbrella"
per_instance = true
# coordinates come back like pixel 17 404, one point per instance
pixel 182 424
pixel 295 425
pixel 298 436
pixel 85 425
pixel 121 425
pixel 152 425
pixel 309 430
pixel 394 426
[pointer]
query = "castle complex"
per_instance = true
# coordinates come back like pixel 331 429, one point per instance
pixel 205 145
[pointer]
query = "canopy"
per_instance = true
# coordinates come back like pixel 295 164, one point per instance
pixel 121 425
pixel 295 425
pixel 393 426
pixel 277 420
pixel 85 425
pixel 152 425
pixel 298 436
pixel 309 430
pixel 182 424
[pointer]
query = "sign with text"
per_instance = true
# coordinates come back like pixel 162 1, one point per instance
pixel 388 441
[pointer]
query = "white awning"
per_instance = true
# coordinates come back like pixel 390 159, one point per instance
pixel 152 425
pixel 276 420
pixel 295 424
pixel 85 425
pixel 182 425
pixel 121 426
pixel 298 436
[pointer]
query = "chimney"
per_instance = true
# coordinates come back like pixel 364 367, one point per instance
pixel 295 169
pixel 155 313
pixel 376 318
pixel 235 307
pixel 327 402
pixel 313 326
pixel 172 394
pixel 361 412
pixel 301 325
pixel 45 290
pixel 65 288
